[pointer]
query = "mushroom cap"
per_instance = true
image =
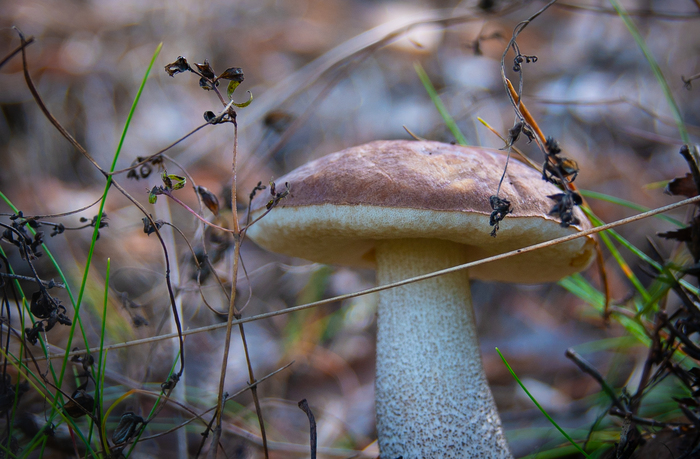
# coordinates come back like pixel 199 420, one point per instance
pixel 341 205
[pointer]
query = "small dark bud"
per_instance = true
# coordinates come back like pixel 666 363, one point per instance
pixel 58 229
pixel 170 383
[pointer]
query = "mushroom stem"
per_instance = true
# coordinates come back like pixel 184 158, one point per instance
pixel 432 397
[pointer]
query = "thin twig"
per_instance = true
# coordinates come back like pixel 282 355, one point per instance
pixel 589 369
pixel 48 115
pixel 26 42
pixel 159 153
pixel 411 280
pixel 228 397
pixel 62 214
pixel 638 13
pixel 47 284
pixel 313 436
pixel 645 421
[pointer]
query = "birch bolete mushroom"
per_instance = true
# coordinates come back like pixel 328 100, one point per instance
pixel 408 208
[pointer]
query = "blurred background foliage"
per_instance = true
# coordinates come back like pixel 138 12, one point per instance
pixel 325 77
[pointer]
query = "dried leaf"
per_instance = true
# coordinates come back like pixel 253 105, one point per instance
pixel 149 228
pixel 206 70
pixel 683 186
pixel 81 403
pixel 209 199
pixel 690 235
pixel 179 66
pixel 683 234
pixel 233 74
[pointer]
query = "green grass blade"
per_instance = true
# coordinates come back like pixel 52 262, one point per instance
pixel 624 267
pixel 102 204
pixel 571 440
pixel 629 204
pixel 102 361
pixel 430 89
pixel 655 68
pixel 153 408
pixel 580 287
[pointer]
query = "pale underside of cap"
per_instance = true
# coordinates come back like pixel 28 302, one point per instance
pixel 340 205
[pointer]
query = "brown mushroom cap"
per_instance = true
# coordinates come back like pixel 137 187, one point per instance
pixel 341 204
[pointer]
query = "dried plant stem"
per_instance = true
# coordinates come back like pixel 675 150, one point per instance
pixel 27 41
pixel 441 272
pixel 234 314
pixel 525 112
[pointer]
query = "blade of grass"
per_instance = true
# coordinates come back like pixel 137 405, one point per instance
pixel 628 204
pixel 571 440
pixel 447 118
pixel 624 267
pixel 102 204
pixel 102 360
pixel 628 245
pixel 48 398
pixel 655 68
pixel 153 409
pixel 580 287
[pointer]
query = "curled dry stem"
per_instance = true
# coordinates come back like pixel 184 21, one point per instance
pixel 600 259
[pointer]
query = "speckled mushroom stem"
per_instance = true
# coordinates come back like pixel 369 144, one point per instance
pixel 432 397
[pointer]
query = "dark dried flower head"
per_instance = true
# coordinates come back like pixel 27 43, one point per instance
pixel 683 186
pixel 42 305
pixel 179 66
pixel 515 131
pixel 170 383
pixel 206 70
pixel 276 195
pixel 552 146
pixel 148 227
pixel 81 403
pixel 128 426
pixel 58 229
pixel 564 207
pixel 32 334
pixel 501 208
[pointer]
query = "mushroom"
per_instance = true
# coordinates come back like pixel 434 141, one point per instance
pixel 408 208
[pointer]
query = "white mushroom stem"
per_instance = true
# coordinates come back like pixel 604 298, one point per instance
pixel 433 400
